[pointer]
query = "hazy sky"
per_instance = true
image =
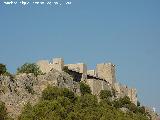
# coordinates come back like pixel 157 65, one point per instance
pixel 125 32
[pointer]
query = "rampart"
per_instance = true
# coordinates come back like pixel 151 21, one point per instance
pixel 79 67
pixel 102 78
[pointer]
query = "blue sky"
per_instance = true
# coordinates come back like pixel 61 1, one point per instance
pixel 125 32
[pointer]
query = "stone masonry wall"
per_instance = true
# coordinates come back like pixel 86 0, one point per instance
pixel 46 66
pixel 91 72
pixel 97 85
pixel 125 91
pixel 79 67
pixel 132 94
pixel 107 72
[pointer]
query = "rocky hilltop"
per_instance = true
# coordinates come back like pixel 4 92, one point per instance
pixel 16 92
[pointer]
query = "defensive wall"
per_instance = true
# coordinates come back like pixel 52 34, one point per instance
pixel 102 78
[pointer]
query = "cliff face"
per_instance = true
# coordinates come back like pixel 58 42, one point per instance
pixel 15 93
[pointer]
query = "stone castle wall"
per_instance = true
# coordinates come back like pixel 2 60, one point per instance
pixel 103 78
pixel 97 85
pixel 132 93
pixel 106 71
pixel 91 72
pixel 79 67
pixel 46 66
pixel 123 90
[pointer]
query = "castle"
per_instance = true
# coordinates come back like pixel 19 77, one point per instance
pixel 102 78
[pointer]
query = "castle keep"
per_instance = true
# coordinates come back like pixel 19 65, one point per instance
pixel 102 78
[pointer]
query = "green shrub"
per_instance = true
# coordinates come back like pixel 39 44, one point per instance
pixel 125 100
pixel 141 109
pixel 88 100
pixel 51 93
pixel 3 111
pixel 27 112
pixel 122 102
pixel 30 68
pixel 105 94
pixel 69 94
pixel 3 69
pixel 65 69
pixel 138 103
pixel 44 110
pixel 117 103
pixel 132 107
pixel 84 88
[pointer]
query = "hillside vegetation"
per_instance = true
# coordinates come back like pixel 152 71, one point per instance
pixel 62 104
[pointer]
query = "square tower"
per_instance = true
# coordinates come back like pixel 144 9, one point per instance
pixel 44 66
pixel 106 71
pixel 57 63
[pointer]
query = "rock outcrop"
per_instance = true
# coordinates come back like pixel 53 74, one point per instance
pixel 28 88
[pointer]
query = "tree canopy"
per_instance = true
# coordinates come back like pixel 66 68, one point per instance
pixel 105 94
pixel 58 104
pixel 29 68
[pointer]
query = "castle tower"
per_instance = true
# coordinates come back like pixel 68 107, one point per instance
pixel 106 71
pixel 57 63
pixel 46 66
